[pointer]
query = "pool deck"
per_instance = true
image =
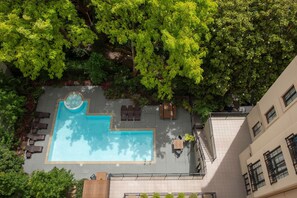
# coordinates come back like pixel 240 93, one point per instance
pixel 166 131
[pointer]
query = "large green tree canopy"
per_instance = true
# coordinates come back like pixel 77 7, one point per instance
pixel 35 33
pixel 252 42
pixel 168 36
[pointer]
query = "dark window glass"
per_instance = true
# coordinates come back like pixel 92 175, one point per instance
pixel 257 128
pixel 270 115
pixel 292 145
pixel 256 175
pixel 276 165
pixel 290 96
pixel 247 184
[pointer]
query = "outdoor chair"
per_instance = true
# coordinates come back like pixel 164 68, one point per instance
pixel 137 113
pixel 167 111
pixel 36 137
pixel 39 114
pixel 130 113
pixel 34 149
pixel 124 113
pixel 93 177
pixel 39 125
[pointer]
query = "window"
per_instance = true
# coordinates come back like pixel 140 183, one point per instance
pixel 290 96
pixel 292 145
pixel 257 128
pixel 256 175
pixel 247 184
pixel 276 165
pixel 271 114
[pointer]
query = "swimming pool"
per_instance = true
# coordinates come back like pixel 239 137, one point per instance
pixel 78 137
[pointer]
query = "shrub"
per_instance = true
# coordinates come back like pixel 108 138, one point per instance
pixel 181 195
pixel 95 67
pixel 79 188
pixel 193 195
pixel 143 195
pixel 189 137
pixel 156 195
pixel 13 184
pixel 169 196
pixel 55 183
pixel 9 161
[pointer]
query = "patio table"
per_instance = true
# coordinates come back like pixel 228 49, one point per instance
pixel 178 144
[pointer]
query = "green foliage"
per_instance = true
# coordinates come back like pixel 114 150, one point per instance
pixel 11 108
pixel 55 183
pixel 96 68
pixel 193 195
pixel 35 33
pixel 13 184
pixel 168 37
pixel 143 195
pixel 181 195
pixel 9 161
pixel 169 196
pixel 156 195
pixel 189 138
pixel 186 105
pixel 79 188
pixel 252 42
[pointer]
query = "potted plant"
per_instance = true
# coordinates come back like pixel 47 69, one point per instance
pixel 189 138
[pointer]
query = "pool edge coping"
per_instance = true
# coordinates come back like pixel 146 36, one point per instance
pixel 81 163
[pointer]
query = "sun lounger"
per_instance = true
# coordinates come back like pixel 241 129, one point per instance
pixel 130 113
pixel 124 113
pixel 39 125
pixel 137 113
pixel 39 114
pixel 36 137
pixel 34 149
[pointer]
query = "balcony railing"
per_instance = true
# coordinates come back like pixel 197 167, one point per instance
pixel 156 176
pixel 187 194
pixel 292 145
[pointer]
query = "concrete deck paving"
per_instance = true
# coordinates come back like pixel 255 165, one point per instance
pixel 223 175
pixel 166 130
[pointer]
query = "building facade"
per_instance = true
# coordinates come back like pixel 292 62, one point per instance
pixel 269 164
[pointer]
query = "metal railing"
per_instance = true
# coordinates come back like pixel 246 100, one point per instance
pixel 187 194
pixel 156 176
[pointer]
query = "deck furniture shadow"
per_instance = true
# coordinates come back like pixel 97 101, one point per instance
pixel 130 113
pixel 137 113
pixel 124 113
pixel 32 149
pixel 36 137
pixel 39 125
pixel 167 111
pixel 39 114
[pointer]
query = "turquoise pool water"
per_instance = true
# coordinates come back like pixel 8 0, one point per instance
pixel 81 137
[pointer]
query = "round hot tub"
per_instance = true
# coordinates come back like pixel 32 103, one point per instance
pixel 73 101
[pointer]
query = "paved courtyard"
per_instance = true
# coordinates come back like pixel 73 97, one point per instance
pixel 166 130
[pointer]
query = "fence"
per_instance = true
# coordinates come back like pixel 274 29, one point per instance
pixel 187 194
pixel 156 176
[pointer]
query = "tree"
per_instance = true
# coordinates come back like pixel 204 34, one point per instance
pixel 166 38
pixel 54 183
pixel 13 184
pixel 35 33
pixel 252 42
pixel 9 161
pixel 11 109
